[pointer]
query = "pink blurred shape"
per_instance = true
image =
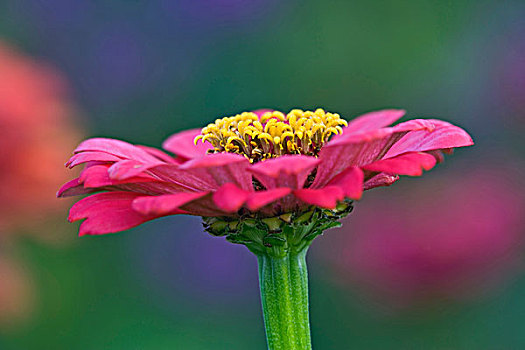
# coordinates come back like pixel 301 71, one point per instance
pixel 37 132
pixel 456 239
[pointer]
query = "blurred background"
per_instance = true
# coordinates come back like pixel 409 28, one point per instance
pixel 430 263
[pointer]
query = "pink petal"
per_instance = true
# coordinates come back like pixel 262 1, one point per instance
pixel 382 133
pixel 348 184
pixel 92 156
pixel 97 176
pixel 230 198
pixel 107 213
pixel 213 160
pixel 380 180
pixel 187 180
pixel 73 188
pixel 350 181
pixel 117 148
pixel 165 204
pixel 204 206
pixel 326 197
pixel 126 169
pixel 374 120
pixel 286 171
pixel 443 135
pixel 150 188
pixel 358 149
pixel 182 144
pixel 412 163
pixel 220 168
pixel 158 154
pixel 194 176
pixel 259 199
pixel 80 209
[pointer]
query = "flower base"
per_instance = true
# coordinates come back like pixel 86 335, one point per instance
pixel 281 235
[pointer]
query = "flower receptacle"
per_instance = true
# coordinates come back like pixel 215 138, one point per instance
pixel 280 235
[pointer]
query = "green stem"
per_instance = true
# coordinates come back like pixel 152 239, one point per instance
pixel 284 295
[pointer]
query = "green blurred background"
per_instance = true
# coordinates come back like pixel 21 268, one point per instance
pixel 142 70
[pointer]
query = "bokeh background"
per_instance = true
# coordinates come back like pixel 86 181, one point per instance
pixel 430 263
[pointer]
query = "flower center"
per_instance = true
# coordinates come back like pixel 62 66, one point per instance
pixel 273 134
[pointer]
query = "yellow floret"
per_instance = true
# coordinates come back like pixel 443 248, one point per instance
pixel 273 134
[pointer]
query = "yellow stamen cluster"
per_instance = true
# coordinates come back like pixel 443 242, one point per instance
pixel 273 134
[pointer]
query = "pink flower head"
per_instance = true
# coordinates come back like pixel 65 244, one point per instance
pixel 254 164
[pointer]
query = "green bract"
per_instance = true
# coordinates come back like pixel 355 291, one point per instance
pixel 280 235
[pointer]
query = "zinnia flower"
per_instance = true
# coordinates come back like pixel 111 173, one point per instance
pixel 261 164
pixel 270 181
